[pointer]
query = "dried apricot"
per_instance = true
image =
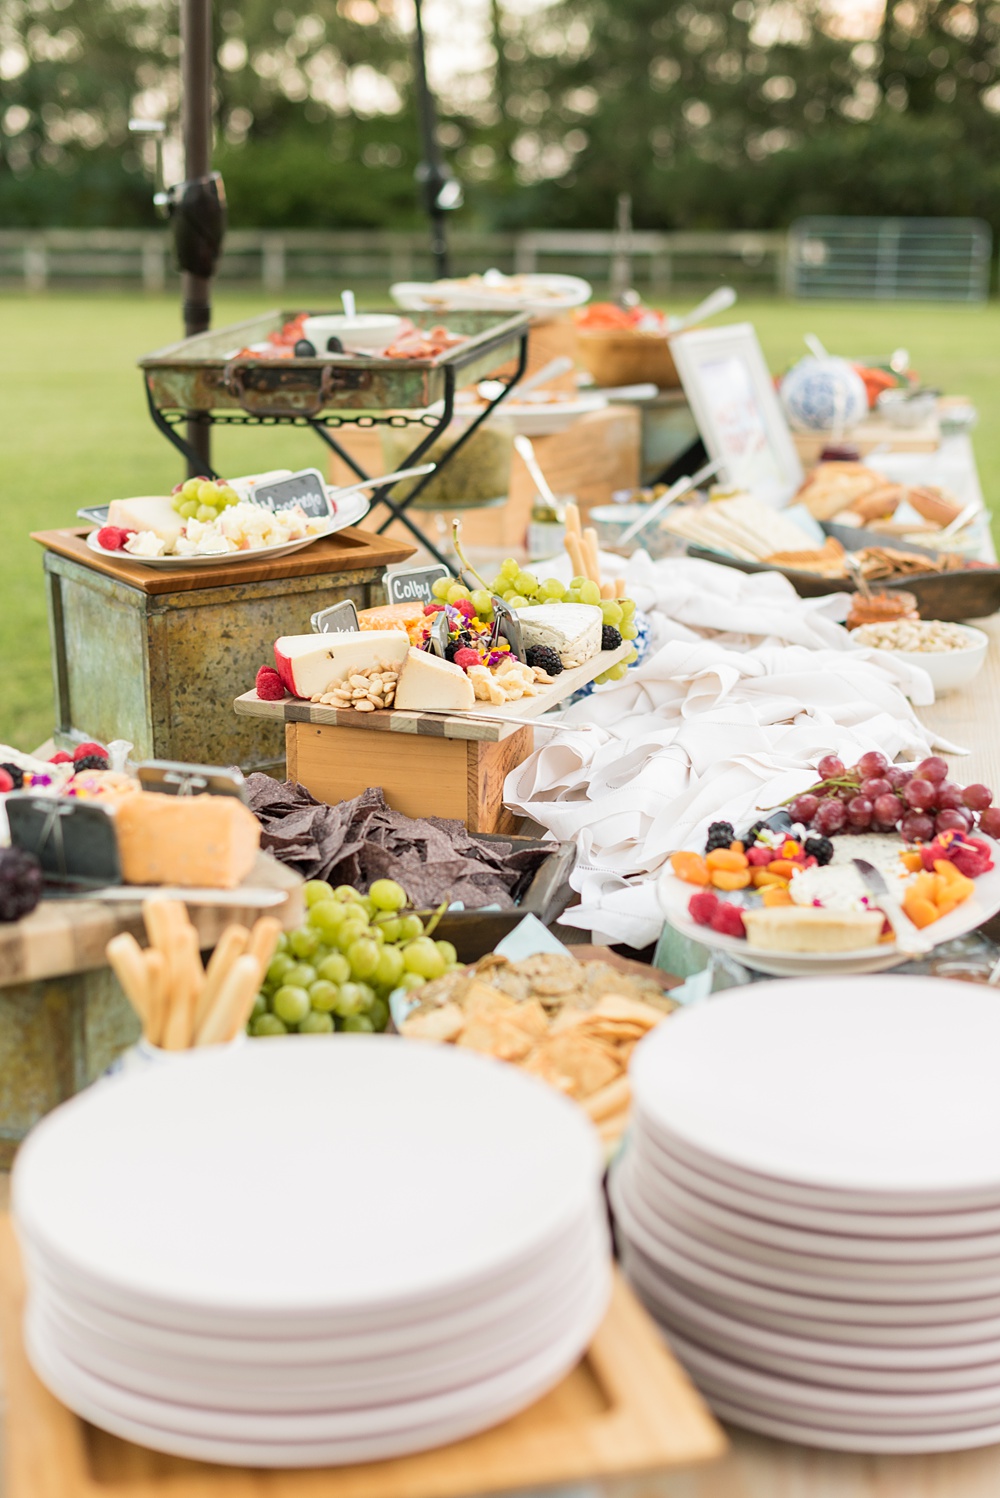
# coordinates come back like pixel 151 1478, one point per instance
pixel 730 878
pixel 725 858
pixel 782 866
pixel 690 867
pixel 776 894
pixel 912 860
pixel 762 878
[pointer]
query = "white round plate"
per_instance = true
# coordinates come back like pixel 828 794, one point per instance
pixel 830 1361
pixel 539 294
pixel 674 894
pixel 755 1204
pixel 886 1086
pixel 854 1407
pixel 356 1436
pixel 254 1363
pixel 741 1232
pixel 831 1439
pixel 349 512
pixel 849 1288
pixel 732 1294
pixel 543 418
pixel 314 1389
pixel 191 1187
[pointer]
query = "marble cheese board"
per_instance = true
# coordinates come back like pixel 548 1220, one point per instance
pixel 484 722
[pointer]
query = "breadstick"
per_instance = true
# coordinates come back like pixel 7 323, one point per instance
pixel 232 1004
pixel 607 590
pixel 178 1026
pixel 231 945
pixel 125 959
pixel 156 976
pixel 165 919
pixel 575 548
pixel 619 587
pixel 572 518
pixel 263 940
pixel 590 552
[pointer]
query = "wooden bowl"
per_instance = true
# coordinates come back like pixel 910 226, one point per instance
pixel 619 356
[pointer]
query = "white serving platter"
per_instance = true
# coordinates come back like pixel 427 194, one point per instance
pixel 349 512
pixel 674 894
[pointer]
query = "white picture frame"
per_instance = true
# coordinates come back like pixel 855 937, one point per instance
pixel 733 401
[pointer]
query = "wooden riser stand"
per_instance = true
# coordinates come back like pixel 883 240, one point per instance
pixel 420 776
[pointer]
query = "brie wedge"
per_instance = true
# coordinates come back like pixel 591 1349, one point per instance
pixel 572 630
pixel 809 928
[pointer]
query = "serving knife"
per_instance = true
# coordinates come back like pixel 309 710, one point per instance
pixel 910 941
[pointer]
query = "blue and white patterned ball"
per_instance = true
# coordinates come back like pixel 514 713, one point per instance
pixel 822 394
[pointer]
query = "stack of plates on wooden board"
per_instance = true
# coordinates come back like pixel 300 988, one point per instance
pixel 809 1204
pixel 317 1251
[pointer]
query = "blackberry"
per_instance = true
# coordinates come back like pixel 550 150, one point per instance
pixel 750 836
pixel 450 649
pixel 16 774
pixel 20 883
pixel 819 848
pixel 610 638
pixel 545 658
pixel 90 762
pixel 720 835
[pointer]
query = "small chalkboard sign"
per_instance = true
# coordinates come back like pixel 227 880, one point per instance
pixel 413 584
pixel 340 619
pixel 73 840
pixel 305 488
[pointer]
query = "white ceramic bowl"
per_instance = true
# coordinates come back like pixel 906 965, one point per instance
pixel 950 670
pixel 365 330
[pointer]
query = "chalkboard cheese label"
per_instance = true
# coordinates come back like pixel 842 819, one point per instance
pixel 341 619
pixel 413 584
pixel 305 488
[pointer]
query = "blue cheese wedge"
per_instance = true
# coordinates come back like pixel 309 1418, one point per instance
pixel 572 630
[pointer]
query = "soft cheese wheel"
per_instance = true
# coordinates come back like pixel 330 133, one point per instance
pixel 804 928
pixel 572 630
pixel 310 664
pixel 208 842
pixel 154 512
pixel 430 684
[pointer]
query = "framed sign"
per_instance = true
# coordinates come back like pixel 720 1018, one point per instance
pixel 732 398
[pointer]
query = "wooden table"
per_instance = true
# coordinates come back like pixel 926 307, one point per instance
pixel 156 655
pixel 63 1017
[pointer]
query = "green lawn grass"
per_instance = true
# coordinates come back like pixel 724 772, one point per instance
pixel 74 428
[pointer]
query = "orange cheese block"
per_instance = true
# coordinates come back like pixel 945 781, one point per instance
pixel 207 842
pixel 409 617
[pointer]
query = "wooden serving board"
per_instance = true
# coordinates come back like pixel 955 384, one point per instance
pixel 61 937
pixel 483 723
pixel 627 1410
pixel 873 432
pixel 349 550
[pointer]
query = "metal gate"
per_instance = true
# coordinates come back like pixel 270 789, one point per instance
pixel 890 259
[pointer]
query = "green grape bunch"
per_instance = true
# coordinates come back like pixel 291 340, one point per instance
pixel 203 499
pixel 337 970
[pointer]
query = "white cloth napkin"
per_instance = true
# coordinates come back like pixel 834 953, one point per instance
pixel 744 688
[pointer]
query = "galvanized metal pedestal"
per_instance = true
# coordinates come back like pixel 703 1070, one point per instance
pixel 157 656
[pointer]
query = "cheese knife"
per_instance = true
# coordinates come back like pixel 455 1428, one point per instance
pixel 910 941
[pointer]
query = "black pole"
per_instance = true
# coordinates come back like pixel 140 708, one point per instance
pixel 430 173
pixel 196 125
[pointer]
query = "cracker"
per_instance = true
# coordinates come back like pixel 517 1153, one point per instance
pixel 444 1024
pixel 496 1037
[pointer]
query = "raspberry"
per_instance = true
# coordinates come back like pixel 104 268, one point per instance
pixel 467 657
pixel 16 774
pixel 433 608
pixel 466 608
pixel 82 750
pixel 759 856
pixel 270 687
pixel 728 920
pixel 702 907
pixel 113 537
pixel 62 758
pixel 6 783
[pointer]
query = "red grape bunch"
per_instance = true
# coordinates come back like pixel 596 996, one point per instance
pixel 875 796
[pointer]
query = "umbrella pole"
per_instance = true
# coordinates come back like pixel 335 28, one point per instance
pixel 196 125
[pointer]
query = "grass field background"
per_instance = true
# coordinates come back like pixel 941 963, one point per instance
pixel 74 428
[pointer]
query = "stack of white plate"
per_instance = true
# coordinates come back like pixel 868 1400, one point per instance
pixel 809 1204
pixel 311 1251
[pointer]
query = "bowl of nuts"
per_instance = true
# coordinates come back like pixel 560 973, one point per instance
pixel 951 654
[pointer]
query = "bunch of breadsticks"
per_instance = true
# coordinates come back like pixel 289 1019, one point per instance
pixel 180 1002
pixel 582 548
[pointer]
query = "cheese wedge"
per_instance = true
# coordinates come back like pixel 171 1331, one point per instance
pixel 310 664
pixel 572 630
pixel 154 512
pixel 429 684
pixel 409 617
pixel 208 842
pixel 810 928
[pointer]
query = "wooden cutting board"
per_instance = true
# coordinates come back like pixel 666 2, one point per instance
pixel 69 936
pixel 627 1410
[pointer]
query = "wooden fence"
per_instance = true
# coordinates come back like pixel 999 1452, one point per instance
pixel 35 260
